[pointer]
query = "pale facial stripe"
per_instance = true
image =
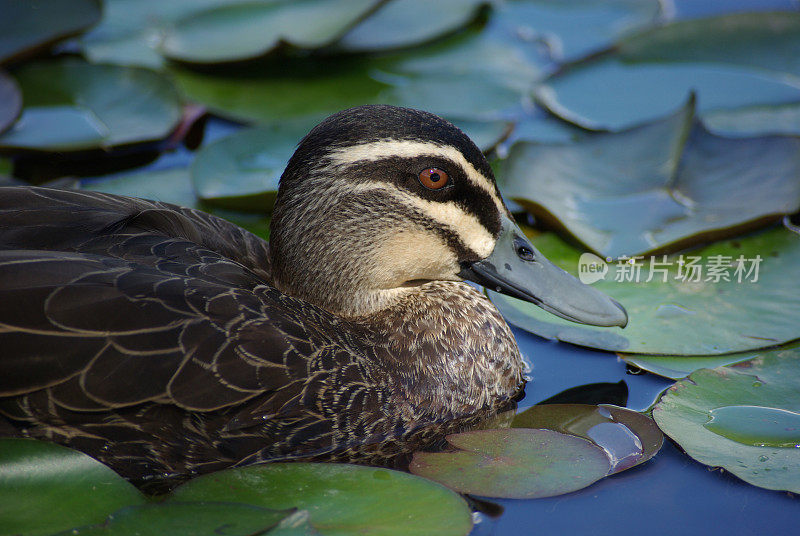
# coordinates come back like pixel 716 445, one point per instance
pixel 379 150
pixel 463 224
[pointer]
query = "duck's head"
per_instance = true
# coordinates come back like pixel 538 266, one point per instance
pixel 378 199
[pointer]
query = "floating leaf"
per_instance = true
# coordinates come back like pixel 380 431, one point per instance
pixel 402 23
pixel 627 90
pixel 45 488
pixel 172 185
pixel 245 30
pixel 10 101
pixel 241 171
pixel 673 317
pixel 660 186
pixel 628 437
pixel 73 105
pixel 744 418
pixel 340 499
pixel 760 40
pixel 32 25
pixel 514 463
pixel 186 519
pixel 677 367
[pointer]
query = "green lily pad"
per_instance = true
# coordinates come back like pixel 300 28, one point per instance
pixel 677 367
pixel 241 171
pixel 402 23
pixel 184 519
pixel 46 488
pixel 660 186
pixel 673 317
pixel 514 463
pixel 738 64
pixel 761 40
pixel 744 418
pixel 33 25
pixel 172 185
pixel 73 105
pixel 246 30
pixel 340 499
pixel 10 101
pixel 628 437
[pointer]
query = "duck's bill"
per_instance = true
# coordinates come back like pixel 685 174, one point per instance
pixel 518 269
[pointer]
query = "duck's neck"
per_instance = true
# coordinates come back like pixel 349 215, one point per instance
pixel 452 351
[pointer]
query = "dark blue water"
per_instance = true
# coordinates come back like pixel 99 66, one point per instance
pixel 670 494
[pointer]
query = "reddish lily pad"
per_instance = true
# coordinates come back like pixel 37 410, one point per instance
pixel 515 463
pixel 629 438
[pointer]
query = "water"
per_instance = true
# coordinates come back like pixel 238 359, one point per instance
pixel 756 425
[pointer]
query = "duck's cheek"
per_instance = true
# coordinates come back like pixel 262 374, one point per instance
pixel 408 256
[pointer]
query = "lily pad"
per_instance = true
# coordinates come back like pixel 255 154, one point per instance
pixel 691 313
pixel 402 23
pixel 10 101
pixel 737 63
pixel 245 30
pixel 340 499
pixel 628 437
pixel 73 105
pixel 172 185
pixel 33 25
pixel 46 488
pixel 677 367
pixel 241 171
pixel 184 519
pixel 514 463
pixel 744 418
pixel 656 187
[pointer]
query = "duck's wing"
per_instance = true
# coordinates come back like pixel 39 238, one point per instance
pixel 108 302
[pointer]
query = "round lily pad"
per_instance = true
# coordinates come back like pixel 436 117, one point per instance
pixel 677 367
pixel 735 62
pixel 515 463
pixel 686 294
pixel 184 519
pixel 628 437
pixel 73 105
pixel 246 30
pixel 340 499
pixel 29 26
pixel 241 171
pixel 46 488
pixel 744 418
pixel 10 101
pixel 660 186
pixel 171 185
pixel 402 23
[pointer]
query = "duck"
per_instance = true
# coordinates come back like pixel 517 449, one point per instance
pixel 168 342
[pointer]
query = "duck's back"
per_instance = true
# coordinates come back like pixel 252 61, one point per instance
pixel 146 334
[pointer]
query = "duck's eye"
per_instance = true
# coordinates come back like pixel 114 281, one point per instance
pixel 433 178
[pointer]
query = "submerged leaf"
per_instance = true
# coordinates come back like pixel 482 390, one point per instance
pixel 732 296
pixel 514 463
pixel 32 25
pixel 745 418
pixel 340 499
pixel 660 186
pixel 628 437
pixel 677 367
pixel 73 105
pixel 46 488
